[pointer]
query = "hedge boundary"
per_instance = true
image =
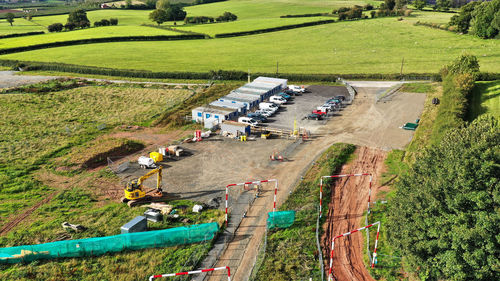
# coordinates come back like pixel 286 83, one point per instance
pixel 272 29
pixel 21 34
pixel 307 15
pixel 101 40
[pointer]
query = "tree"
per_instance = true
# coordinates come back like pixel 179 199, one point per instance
pixel 79 18
pixel 163 4
pixel 159 16
pixel 462 20
pixel 400 4
pixel 390 4
pixel 227 16
pixel 176 12
pixel 69 26
pixel 483 23
pixel 444 216
pixel 10 18
pixel 55 27
pixel 443 5
pixel 419 4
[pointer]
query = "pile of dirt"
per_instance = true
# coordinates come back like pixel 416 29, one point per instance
pixel 96 153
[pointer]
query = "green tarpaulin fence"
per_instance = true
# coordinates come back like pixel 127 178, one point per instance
pixel 281 219
pixel 110 244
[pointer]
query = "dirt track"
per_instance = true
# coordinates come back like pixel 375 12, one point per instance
pixel 348 202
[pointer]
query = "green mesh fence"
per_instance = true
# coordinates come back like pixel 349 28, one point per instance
pixel 110 244
pixel 281 219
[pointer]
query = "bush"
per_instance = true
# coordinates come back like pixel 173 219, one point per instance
pixel 105 22
pixel 55 27
pixel 227 16
pixel 373 13
pixel 69 26
pixel 113 21
pixel 368 7
pixel 198 20
pixel 21 34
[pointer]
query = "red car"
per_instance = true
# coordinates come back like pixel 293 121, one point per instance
pixel 319 112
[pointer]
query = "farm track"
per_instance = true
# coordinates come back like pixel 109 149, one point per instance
pixel 21 217
pixel 349 199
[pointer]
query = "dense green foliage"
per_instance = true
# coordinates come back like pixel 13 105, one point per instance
pixel 79 18
pixel 462 20
pixel 21 34
pixel 10 18
pixel 159 16
pixel 291 253
pixel 486 17
pixel 458 81
pixel 445 216
pixel 55 27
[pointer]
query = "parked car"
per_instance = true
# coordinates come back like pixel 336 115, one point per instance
pixel 314 116
pixel 297 89
pixel 257 116
pixel 269 110
pixel 319 112
pixel 334 101
pixel 342 98
pixel 268 105
pixel 264 113
pixel 247 120
pixel 284 95
pixel 289 92
pixel 277 100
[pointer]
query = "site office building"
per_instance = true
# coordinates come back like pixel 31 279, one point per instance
pixel 212 116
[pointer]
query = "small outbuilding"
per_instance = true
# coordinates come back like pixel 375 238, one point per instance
pixel 235 128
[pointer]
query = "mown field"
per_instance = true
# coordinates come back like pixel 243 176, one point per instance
pixel 19 26
pixel 98 32
pixel 485 100
pixel 365 46
pixel 37 127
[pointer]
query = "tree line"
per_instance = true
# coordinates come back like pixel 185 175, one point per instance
pixel 478 18
pixel 78 20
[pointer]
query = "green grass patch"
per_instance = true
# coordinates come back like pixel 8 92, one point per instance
pixel 418 87
pixel 37 127
pixel 97 32
pixel 19 25
pixel 291 253
pixel 346 47
pixel 485 99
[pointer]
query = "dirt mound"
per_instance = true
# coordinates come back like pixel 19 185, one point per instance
pixel 348 202
pixel 96 153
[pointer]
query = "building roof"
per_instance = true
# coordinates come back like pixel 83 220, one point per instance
pixel 277 81
pixel 249 91
pixel 250 98
pixel 227 104
pixel 236 99
pixel 215 110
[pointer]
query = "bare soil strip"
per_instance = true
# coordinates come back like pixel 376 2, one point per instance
pixel 348 202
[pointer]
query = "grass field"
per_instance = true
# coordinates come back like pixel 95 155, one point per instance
pixel 485 100
pixel 37 127
pixel 125 17
pixel 98 32
pixel 246 25
pixel 347 47
pixel 20 25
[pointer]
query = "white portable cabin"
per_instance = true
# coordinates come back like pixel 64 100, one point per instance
pixel 241 108
pixel 236 101
pixel 251 100
pixel 212 116
pixel 270 80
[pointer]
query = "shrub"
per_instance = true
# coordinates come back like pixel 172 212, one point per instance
pixel 373 13
pixel 55 27
pixel 83 24
pixel 113 21
pixel 343 9
pixel 368 7
pixel 105 22
pixel 342 16
pixel 227 16
pixel 69 26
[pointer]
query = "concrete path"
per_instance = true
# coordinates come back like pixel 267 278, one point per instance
pixel 9 79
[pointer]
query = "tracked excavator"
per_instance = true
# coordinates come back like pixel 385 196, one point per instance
pixel 134 190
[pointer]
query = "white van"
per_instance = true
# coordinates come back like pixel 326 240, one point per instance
pixel 297 89
pixel 268 105
pixel 248 121
pixel 277 100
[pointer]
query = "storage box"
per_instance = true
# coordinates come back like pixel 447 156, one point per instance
pixel 138 224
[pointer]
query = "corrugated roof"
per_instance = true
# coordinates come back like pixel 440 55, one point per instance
pixel 278 81
pixel 243 96
pixel 249 91
pixel 236 99
pixel 215 110
pixel 227 104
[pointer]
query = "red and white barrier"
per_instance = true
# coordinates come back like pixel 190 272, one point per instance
pixel 193 272
pixel 330 272
pixel 343 176
pixel 253 182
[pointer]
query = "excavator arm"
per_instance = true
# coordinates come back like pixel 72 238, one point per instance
pixel 158 179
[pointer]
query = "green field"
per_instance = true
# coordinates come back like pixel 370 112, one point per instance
pixel 98 32
pixel 246 25
pixel 365 46
pixel 485 100
pixel 125 17
pixel 19 26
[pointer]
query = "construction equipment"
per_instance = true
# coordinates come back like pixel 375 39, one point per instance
pixel 134 191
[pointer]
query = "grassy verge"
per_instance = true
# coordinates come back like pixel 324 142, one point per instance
pixel 485 99
pixel 418 87
pixel 291 253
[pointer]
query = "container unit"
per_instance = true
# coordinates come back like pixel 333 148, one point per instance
pixel 268 89
pixel 252 100
pixel 212 116
pixel 138 224
pixel 235 128
pixel 276 81
pixel 261 94
pixel 241 108
pixel 236 101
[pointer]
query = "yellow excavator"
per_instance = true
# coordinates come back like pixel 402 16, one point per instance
pixel 134 190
